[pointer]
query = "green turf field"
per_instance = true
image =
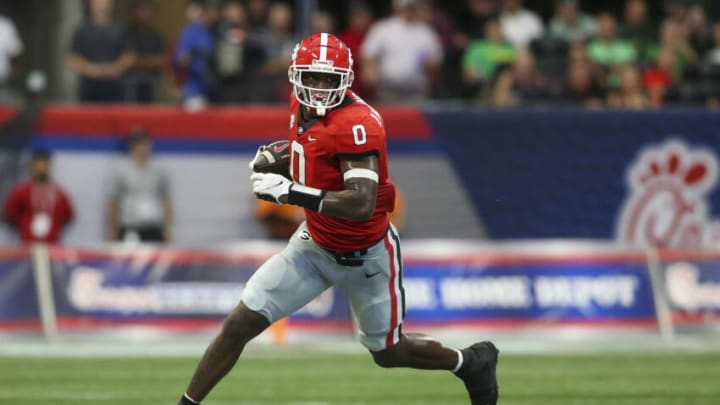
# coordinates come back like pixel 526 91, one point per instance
pixel 655 379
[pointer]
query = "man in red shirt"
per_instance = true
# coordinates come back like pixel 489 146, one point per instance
pixel 39 209
pixel 339 170
pixel 360 19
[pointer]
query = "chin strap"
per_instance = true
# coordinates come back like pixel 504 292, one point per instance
pixel 320 110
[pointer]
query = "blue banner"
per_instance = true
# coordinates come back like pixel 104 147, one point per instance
pixel 18 300
pixel 161 286
pixel 563 174
pixel 155 284
pixel 543 292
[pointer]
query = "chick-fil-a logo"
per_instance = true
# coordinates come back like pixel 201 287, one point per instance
pixel 667 206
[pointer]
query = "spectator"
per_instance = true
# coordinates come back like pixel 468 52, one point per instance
pixel 637 27
pixel 359 19
pixel 581 87
pixel 713 56
pixel 322 21
pixel 483 57
pixel 674 38
pixel 473 20
pixel 629 94
pixel 400 55
pixel 238 58
pixel 193 53
pixel 712 66
pixel 659 78
pixel 676 10
pixel 696 26
pixel 520 26
pixel 39 209
pixel 278 43
pixel 577 53
pixel 139 205
pixel 438 20
pixel 257 11
pixel 569 24
pixel 606 49
pixel 10 49
pixel 149 47
pixel 520 83
pixel 100 54
pixel 448 82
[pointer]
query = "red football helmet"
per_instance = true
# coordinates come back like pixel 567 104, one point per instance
pixel 321 54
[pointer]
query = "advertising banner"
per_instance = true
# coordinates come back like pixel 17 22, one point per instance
pixel 162 288
pixel 500 286
pixel 18 300
pixel 692 285
pixel 584 293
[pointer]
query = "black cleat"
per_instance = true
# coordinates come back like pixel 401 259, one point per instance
pixel 478 373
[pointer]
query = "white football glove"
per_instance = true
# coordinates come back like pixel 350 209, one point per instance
pixel 259 152
pixel 270 186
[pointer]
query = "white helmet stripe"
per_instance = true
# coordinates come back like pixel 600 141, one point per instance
pixel 323 46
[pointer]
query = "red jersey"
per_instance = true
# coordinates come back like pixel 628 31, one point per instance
pixel 39 211
pixel 351 130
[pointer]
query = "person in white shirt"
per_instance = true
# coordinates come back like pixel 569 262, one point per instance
pixel 400 55
pixel 520 26
pixel 10 47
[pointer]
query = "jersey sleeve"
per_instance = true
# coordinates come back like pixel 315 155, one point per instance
pixel 13 206
pixel 359 136
pixel 68 211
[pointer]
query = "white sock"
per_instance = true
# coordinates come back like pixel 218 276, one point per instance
pixel 190 399
pixel 460 361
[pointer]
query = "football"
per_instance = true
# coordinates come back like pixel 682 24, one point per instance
pixel 274 158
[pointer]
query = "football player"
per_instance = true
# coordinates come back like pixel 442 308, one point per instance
pixel 338 165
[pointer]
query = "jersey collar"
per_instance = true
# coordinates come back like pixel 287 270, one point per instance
pixel 304 126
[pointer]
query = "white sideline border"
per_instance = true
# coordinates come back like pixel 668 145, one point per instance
pixel 194 347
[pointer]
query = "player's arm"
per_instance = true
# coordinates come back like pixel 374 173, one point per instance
pixel 356 201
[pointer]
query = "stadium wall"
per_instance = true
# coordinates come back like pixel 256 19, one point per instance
pixel 206 154
pixel 581 174
pixel 466 173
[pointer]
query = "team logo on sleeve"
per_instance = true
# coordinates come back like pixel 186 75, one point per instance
pixel 292 120
pixel 667 205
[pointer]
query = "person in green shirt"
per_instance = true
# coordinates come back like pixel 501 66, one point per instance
pixel 673 38
pixel 569 24
pixel 483 57
pixel 637 27
pixel 606 49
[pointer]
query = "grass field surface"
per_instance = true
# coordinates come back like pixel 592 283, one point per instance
pixel 347 379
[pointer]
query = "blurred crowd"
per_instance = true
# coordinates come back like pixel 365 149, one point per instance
pixel 576 58
pixel 489 52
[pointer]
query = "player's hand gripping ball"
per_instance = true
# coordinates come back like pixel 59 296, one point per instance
pixel 273 158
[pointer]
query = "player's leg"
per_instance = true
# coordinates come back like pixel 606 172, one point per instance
pixel 377 298
pixel 239 328
pixel 416 350
pixel 280 287
pixel 474 365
